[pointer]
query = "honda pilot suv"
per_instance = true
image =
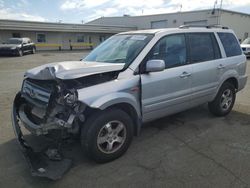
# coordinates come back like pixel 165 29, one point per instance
pixel 131 78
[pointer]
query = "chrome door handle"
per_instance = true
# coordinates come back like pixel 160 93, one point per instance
pixel 185 74
pixel 221 66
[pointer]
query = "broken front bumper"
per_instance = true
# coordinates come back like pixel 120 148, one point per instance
pixel 38 162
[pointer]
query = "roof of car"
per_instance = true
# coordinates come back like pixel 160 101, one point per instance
pixel 20 38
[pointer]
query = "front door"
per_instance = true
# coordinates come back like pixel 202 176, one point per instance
pixel 168 91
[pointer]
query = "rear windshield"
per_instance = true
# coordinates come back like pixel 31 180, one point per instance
pixel 230 44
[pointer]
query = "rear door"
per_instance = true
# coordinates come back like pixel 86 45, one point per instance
pixel 168 91
pixel 205 56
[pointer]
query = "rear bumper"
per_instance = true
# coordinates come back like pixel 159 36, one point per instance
pixel 242 82
pixel 40 165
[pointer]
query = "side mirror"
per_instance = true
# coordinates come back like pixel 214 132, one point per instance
pixel 155 65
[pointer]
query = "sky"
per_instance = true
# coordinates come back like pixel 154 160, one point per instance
pixel 82 11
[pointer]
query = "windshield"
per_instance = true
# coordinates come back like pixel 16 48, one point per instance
pixel 119 49
pixel 246 41
pixel 14 41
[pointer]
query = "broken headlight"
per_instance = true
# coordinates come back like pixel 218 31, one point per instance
pixel 70 97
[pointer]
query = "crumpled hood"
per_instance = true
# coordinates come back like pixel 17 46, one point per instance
pixel 71 69
pixel 8 45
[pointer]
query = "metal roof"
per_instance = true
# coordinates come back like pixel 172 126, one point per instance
pixel 61 27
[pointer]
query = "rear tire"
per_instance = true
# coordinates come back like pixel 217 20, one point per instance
pixel 224 100
pixel 107 135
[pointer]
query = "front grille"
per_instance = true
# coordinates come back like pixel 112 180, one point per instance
pixel 36 94
pixel 6 51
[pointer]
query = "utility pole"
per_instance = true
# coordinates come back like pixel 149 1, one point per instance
pixel 219 13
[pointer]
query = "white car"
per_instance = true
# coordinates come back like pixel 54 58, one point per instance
pixel 246 47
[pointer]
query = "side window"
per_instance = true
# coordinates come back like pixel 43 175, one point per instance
pixel 171 49
pixel 230 44
pixel 16 35
pixel 80 38
pixel 203 47
pixel 41 37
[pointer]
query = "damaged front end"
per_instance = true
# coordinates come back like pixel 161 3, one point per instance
pixel 42 107
pixel 48 103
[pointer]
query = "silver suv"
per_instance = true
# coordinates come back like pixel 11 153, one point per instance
pixel 131 78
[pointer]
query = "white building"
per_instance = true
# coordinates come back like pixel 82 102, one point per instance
pixel 78 36
pixel 59 35
pixel 239 22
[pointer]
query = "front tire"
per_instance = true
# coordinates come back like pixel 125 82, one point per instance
pixel 107 135
pixel 33 51
pixel 224 100
pixel 20 52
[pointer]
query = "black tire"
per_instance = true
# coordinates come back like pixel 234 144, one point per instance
pixel 96 124
pixel 33 51
pixel 20 52
pixel 216 106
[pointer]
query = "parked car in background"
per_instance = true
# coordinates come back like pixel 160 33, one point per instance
pixel 246 47
pixel 17 46
pixel 131 78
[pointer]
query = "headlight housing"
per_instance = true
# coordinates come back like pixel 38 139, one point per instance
pixel 70 97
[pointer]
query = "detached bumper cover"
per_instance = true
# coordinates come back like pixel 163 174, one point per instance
pixel 40 165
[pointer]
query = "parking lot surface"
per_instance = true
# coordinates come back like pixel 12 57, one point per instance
pixel 189 149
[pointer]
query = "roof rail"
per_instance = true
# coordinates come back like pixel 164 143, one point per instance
pixel 205 26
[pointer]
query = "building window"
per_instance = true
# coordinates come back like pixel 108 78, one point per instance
pixel 159 24
pixel 90 40
pixel 41 37
pixel 102 38
pixel 80 38
pixel 16 35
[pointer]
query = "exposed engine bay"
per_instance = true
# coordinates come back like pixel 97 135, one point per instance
pixel 45 107
pixel 53 104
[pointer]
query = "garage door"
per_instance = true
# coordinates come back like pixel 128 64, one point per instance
pixel 159 24
pixel 199 22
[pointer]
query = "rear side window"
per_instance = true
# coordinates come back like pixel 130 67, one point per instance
pixel 230 44
pixel 203 47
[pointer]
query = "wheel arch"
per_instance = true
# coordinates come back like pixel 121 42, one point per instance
pixel 233 81
pixel 124 106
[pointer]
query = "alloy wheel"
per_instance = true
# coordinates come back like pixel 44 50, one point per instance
pixel 111 137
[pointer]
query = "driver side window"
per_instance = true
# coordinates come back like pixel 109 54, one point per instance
pixel 171 49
